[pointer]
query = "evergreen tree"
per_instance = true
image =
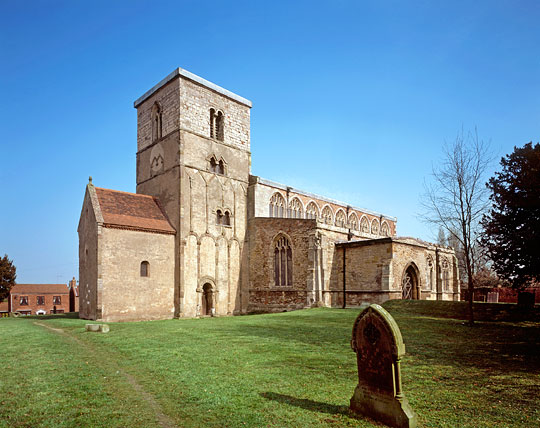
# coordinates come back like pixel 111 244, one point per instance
pixel 8 273
pixel 512 226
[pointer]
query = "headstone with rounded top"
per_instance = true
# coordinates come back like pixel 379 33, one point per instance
pixel 379 347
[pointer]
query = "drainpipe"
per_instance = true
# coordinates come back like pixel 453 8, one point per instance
pixel 344 280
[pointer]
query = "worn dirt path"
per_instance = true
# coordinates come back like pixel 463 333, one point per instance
pixel 106 362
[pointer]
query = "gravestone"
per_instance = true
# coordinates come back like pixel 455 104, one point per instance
pixel 377 341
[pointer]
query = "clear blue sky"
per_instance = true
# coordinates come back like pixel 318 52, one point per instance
pixel 351 99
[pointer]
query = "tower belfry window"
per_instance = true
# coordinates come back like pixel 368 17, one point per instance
pixel 156 122
pixel 217 120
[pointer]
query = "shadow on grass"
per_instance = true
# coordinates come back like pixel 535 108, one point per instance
pixel 304 403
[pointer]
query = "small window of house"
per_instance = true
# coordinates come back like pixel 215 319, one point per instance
pixel 40 300
pixel 57 300
pixel 23 300
pixel 219 217
pixel 145 268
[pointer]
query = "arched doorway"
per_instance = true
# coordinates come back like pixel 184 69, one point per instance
pixel 207 300
pixel 410 289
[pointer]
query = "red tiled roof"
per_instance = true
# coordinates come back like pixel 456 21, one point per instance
pixel 40 289
pixel 4 306
pixel 132 211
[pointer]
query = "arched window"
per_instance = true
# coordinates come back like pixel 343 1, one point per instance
pixel 385 230
pixel 312 210
pixel 327 215
pixel 220 167
pixel 430 279
pixel 283 263
pixel 364 225
pixel 217 167
pixel 156 122
pixel 223 218
pixel 374 227
pixel 353 221
pixel 341 219
pixel 145 268
pixel 213 164
pixel 410 285
pixel 276 207
pixel 295 209
pixel 445 275
pixel 216 124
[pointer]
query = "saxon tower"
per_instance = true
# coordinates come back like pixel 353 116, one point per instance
pixel 193 155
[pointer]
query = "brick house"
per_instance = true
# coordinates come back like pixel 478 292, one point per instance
pixel 4 309
pixel 39 299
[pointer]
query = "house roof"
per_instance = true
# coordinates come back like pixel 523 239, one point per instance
pixel 132 211
pixel 40 289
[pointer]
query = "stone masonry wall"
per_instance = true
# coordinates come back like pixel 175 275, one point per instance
pixel 196 102
pixel 126 294
pixel 89 269
pixel 264 295
pixel 168 98
pixel 367 274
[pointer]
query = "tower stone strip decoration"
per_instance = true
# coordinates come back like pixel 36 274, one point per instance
pixel 378 345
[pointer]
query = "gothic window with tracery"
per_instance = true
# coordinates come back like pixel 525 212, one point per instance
pixel 156 122
pixel 341 219
pixel 385 230
pixel 353 221
pixel 283 263
pixel 276 207
pixel 445 275
pixel 327 215
pixel 374 227
pixel 216 124
pixel 364 225
pixel 295 209
pixel 312 211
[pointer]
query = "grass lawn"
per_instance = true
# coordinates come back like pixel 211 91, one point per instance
pixel 282 370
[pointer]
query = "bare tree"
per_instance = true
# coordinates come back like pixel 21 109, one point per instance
pixel 456 198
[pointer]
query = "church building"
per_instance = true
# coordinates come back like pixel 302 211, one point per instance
pixel 203 237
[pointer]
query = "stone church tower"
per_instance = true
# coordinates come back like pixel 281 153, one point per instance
pixel 193 155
